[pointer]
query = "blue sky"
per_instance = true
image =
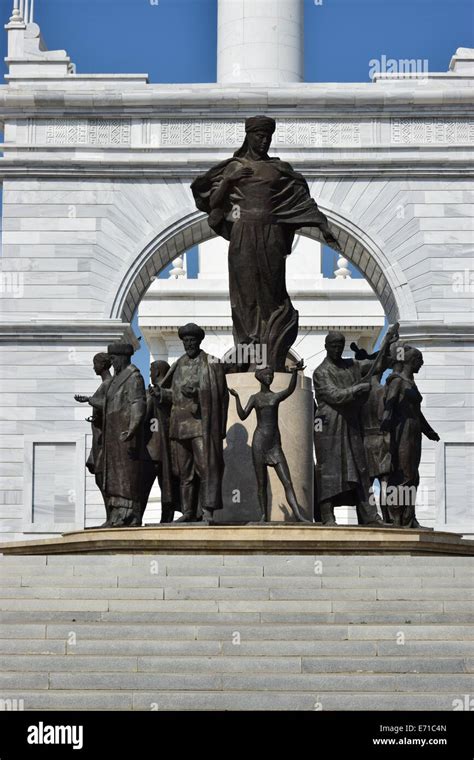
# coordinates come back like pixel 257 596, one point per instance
pixel 175 40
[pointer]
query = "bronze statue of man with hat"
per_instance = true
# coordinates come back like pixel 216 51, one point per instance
pixel 257 202
pixel 196 388
pixel 124 410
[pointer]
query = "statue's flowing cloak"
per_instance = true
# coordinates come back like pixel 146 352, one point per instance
pixel 259 216
pixel 293 207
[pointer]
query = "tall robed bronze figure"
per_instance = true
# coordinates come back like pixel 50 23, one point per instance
pixel 257 203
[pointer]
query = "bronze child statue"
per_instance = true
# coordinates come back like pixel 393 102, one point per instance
pixel 266 443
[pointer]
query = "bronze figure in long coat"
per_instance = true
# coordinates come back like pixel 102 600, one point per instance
pixel 257 203
pixel 196 388
pixel 124 410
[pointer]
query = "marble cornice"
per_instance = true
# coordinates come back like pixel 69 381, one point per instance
pixel 311 99
pixel 437 333
pixel 352 166
pixel 66 331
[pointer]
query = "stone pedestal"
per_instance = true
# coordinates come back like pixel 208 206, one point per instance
pixel 239 485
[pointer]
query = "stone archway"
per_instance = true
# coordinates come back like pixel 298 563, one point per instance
pixel 384 277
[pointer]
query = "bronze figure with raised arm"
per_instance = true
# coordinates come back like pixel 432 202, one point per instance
pixel 341 388
pixel 266 443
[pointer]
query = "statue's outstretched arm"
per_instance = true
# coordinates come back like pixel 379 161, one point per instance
pixel 282 395
pixel 427 430
pixel 243 413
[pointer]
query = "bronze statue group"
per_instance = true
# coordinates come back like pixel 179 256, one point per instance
pixel 367 432
pixel 175 430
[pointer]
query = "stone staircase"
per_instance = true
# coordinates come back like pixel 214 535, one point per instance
pixel 236 632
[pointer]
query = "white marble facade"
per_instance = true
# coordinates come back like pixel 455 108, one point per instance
pixel 96 201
